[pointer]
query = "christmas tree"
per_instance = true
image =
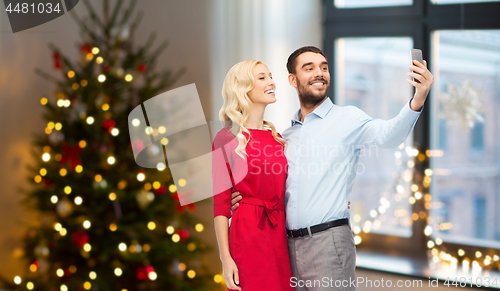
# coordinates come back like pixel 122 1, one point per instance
pixel 106 223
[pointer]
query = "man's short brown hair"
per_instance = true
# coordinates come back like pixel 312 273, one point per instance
pixel 291 64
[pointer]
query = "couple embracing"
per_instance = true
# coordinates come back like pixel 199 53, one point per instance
pixel 290 225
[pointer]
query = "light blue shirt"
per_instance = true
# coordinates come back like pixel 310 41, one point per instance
pixel 323 152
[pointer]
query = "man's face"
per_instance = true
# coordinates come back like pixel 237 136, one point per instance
pixel 312 78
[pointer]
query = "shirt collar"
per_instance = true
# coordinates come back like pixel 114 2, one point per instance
pixel 321 111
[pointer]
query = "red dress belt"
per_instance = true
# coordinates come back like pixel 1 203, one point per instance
pixel 267 210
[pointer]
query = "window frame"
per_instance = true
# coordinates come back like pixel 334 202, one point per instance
pixel 417 21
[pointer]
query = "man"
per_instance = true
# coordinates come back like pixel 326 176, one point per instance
pixel 324 142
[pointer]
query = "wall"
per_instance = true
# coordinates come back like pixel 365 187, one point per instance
pixel 183 23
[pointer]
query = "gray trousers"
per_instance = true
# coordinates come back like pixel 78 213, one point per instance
pixel 325 261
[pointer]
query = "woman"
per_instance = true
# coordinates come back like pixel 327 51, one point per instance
pixel 248 157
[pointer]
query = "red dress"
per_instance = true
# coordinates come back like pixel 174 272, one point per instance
pixel 257 235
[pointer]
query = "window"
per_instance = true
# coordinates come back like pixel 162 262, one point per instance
pixel 480 223
pixel 460 1
pixel 468 103
pixel 370 3
pixel 442 134
pixel 477 137
pixel 374 73
pixel 457 168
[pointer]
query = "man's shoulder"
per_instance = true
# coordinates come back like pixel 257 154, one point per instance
pixel 349 112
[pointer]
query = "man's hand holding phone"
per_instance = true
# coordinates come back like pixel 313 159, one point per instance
pixel 422 79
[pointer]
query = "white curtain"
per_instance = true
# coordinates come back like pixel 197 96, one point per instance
pixel 266 30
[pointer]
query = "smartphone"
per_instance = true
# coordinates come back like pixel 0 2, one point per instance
pixel 416 54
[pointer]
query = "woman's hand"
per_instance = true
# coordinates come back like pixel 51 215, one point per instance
pixel 230 273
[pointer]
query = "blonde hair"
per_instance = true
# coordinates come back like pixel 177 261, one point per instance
pixel 238 82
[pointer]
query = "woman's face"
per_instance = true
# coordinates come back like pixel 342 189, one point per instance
pixel 263 89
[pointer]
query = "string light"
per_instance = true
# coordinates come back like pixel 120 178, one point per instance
pixel 199 227
pixel 118 272
pixel 122 184
pixel 33 268
pixel 46 157
pixel 152 276
pixel 191 274
pixel 122 247
pixel 218 278
pixel 17 280
pixel 57 226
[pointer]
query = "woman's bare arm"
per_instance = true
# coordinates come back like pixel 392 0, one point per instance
pixel 230 270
